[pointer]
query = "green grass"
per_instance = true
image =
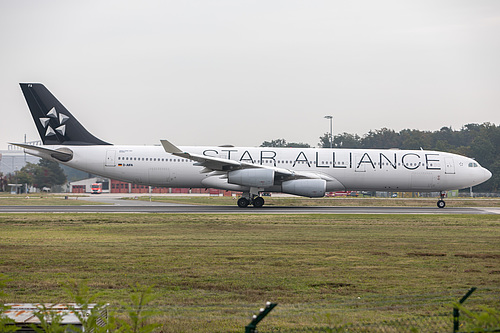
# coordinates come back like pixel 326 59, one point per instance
pixel 44 200
pixel 212 272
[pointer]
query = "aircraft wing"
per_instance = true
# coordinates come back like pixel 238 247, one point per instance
pixel 212 163
pixel 222 164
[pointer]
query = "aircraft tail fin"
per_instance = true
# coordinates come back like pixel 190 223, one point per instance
pixel 55 124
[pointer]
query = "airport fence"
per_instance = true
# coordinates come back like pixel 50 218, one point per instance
pixel 379 314
pixel 417 314
pixel 440 323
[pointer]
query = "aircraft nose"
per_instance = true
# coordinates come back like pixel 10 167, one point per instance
pixel 487 174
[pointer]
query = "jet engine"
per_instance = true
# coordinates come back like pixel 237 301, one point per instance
pixel 252 177
pixel 313 188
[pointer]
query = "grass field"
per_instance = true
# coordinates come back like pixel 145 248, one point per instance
pixel 212 272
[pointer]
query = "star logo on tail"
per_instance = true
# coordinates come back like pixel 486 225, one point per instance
pixel 58 120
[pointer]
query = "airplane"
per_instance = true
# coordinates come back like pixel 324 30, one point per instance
pixel 308 172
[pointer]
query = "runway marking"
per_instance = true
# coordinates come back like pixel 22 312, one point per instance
pixel 490 210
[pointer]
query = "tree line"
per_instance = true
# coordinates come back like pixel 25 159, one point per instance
pixel 45 173
pixel 478 141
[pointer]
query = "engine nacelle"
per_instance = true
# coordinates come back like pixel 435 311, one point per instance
pixel 313 188
pixel 220 183
pixel 252 177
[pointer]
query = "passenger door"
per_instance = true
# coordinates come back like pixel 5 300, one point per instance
pixel 449 166
pixel 110 158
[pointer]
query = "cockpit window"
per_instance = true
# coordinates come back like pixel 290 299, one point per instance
pixel 473 165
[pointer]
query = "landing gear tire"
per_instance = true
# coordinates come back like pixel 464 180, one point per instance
pixel 243 202
pixel 441 203
pixel 258 202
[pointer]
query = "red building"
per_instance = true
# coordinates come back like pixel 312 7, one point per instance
pixel 116 186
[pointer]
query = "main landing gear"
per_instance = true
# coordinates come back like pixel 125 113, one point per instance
pixel 441 202
pixel 256 201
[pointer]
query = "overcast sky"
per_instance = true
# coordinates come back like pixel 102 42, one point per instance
pixel 242 72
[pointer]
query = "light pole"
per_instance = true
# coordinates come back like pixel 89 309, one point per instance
pixel 331 131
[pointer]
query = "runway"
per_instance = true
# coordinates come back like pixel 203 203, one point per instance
pixel 115 203
pixel 194 209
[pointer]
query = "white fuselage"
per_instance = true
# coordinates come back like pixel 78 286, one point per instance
pixel 344 169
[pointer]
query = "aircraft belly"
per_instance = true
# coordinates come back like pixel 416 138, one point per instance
pixel 174 176
pixel 160 176
pixel 378 180
pixel 393 180
pixel 422 181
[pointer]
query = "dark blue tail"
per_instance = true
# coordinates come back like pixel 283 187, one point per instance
pixel 55 124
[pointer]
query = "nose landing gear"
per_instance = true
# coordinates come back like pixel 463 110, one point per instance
pixel 441 202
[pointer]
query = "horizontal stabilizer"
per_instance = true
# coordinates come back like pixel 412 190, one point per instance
pixel 61 154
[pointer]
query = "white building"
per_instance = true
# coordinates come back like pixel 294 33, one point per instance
pixel 14 159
